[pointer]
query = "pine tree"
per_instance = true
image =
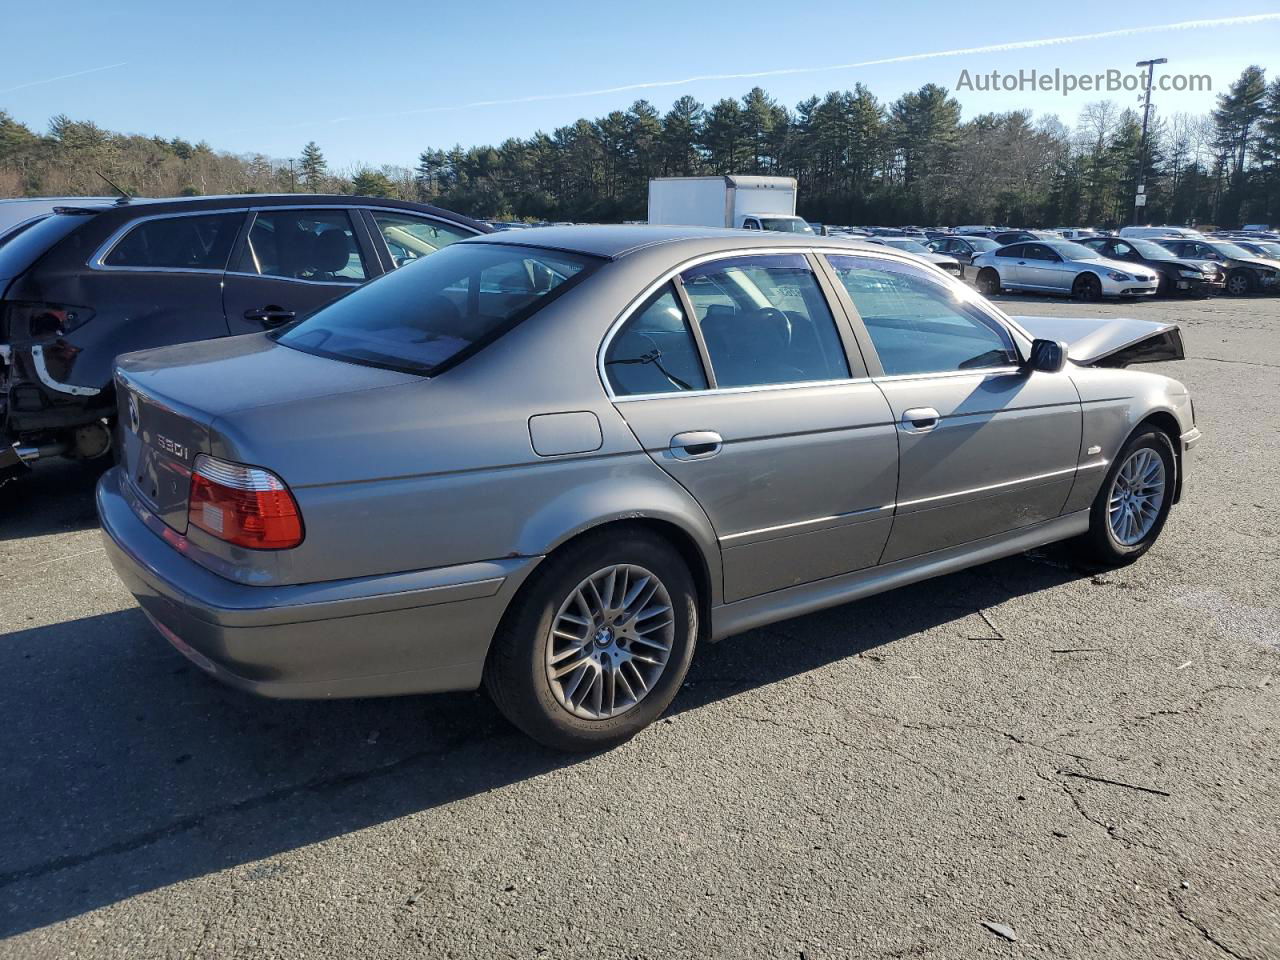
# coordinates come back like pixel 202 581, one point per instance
pixel 314 167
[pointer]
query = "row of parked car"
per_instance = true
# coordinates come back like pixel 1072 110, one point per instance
pixel 1160 264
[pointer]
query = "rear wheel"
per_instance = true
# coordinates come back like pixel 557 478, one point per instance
pixel 1240 283
pixel 988 281
pixel 597 645
pixel 1087 288
pixel 1130 510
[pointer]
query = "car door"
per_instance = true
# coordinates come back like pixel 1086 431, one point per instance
pixel 1044 269
pixel 739 382
pixel 985 446
pixel 291 261
pixel 1009 262
pixel 163 276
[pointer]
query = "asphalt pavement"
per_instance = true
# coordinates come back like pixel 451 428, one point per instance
pixel 1083 760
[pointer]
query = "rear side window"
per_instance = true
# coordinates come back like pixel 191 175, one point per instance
pixel 435 313
pixel 654 351
pixel 765 321
pixel 412 238
pixel 177 243
pixel 315 245
pixel 21 248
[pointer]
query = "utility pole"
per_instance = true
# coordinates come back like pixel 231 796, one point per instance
pixel 293 185
pixel 1140 201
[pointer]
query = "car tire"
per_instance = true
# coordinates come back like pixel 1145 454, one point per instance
pixel 1104 543
pixel 521 661
pixel 1087 288
pixel 988 282
pixel 1240 283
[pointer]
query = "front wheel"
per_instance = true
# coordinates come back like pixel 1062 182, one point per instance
pixel 1130 510
pixel 1087 288
pixel 596 647
pixel 1239 283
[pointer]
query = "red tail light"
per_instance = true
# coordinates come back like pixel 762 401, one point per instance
pixel 247 506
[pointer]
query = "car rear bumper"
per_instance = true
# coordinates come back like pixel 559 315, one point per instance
pixel 419 632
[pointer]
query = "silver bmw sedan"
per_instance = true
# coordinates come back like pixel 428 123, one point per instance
pixel 1060 266
pixel 553 463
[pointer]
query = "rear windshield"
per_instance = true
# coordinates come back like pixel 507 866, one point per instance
pixel 22 248
pixel 437 311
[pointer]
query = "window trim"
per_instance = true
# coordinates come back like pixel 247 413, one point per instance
pixel 97 258
pixel 855 360
pixel 1020 338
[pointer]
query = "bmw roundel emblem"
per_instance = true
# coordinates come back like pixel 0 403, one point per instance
pixel 135 419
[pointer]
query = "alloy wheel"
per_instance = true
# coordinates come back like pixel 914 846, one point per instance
pixel 1137 494
pixel 1237 285
pixel 610 642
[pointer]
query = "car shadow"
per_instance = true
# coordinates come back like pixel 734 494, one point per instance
pixel 51 497
pixel 126 769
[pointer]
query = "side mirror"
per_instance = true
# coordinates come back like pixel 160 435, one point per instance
pixel 1047 356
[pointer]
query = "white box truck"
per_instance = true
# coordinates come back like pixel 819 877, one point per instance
pixel 751 203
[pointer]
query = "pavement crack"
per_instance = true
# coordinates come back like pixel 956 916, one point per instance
pixel 197 820
pixel 1202 929
pixel 1249 363
pixel 1110 828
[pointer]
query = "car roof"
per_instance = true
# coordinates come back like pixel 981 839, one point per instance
pixel 147 206
pixel 612 241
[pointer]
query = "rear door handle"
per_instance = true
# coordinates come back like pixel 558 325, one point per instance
pixel 270 316
pixel 919 419
pixel 696 445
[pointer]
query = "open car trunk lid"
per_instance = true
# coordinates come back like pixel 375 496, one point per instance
pixel 1109 343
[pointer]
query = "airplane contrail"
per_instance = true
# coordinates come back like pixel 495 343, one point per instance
pixel 65 76
pixel 792 71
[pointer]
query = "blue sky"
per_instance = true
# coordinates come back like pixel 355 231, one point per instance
pixel 378 83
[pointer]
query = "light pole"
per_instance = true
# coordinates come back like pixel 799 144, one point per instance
pixel 1140 200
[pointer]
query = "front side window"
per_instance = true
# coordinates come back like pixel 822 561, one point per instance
pixel 1038 251
pixel 315 245
pixel 412 238
pixel 917 323
pixel 1016 251
pixel 198 242
pixel 765 320
pixel 435 313
pixel 654 350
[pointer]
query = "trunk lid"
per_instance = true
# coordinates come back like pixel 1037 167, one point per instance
pixel 170 400
pixel 1109 343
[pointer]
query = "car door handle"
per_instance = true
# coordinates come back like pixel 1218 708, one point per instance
pixel 919 419
pixel 696 445
pixel 270 316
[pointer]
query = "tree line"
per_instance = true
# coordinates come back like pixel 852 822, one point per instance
pixel 858 160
